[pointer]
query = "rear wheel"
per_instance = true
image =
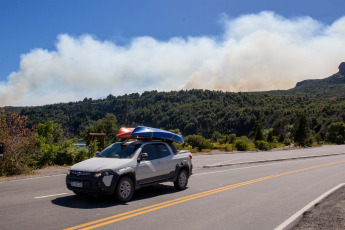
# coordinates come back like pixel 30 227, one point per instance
pixel 182 180
pixel 124 189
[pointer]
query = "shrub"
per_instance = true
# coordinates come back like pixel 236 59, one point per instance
pixel 216 136
pixel 190 148
pixel 83 154
pixel 241 144
pixel 177 146
pixel 223 147
pixel 228 148
pixel 94 147
pixel 199 142
pixel 56 150
pixel 232 138
pixel 20 151
pixel 48 153
pixel 222 138
pixel 206 150
pixel 287 141
pixel 262 145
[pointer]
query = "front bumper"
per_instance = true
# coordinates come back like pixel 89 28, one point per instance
pixel 91 184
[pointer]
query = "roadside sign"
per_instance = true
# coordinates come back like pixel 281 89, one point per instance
pixel 1 150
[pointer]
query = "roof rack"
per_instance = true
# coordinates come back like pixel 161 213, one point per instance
pixel 145 139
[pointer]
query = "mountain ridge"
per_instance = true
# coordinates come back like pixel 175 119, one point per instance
pixel 332 86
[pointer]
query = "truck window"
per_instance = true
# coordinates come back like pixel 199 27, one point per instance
pixel 163 150
pixel 119 150
pixel 173 149
pixel 151 150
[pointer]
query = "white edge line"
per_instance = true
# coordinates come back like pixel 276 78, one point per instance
pixel 31 178
pixel 60 194
pixel 289 223
pixel 256 166
pixel 272 160
pixel 219 163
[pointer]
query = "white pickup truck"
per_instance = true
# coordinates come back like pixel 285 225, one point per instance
pixel 126 166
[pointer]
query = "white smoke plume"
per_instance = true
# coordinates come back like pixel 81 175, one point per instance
pixel 255 52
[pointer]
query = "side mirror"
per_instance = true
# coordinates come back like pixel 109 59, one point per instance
pixel 142 156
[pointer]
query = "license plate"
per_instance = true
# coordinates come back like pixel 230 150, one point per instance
pixel 78 184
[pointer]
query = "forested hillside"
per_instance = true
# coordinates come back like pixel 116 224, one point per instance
pixel 194 111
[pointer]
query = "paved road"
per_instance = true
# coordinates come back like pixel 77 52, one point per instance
pixel 240 157
pixel 254 196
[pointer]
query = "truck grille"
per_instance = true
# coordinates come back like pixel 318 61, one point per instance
pixel 80 173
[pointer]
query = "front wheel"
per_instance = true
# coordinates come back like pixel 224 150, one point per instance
pixel 124 189
pixel 182 180
pixel 78 193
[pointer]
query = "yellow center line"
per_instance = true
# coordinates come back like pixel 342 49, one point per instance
pixel 151 208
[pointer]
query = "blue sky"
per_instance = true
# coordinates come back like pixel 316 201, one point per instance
pixel 29 25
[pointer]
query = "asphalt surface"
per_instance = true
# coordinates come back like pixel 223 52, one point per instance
pixel 250 196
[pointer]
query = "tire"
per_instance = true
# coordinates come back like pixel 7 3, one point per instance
pixel 181 180
pixel 124 189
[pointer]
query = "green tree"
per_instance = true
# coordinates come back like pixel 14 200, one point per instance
pixel 281 138
pixel 270 136
pixel 50 133
pixel 176 131
pixel 107 125
pixel 258 135
pixel 336 133
pixel 50 138
pixel 302 131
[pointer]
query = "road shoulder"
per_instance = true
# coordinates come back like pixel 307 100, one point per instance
pixel 325 212
pixel 329 214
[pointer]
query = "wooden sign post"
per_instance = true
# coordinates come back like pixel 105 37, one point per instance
pixel 91 135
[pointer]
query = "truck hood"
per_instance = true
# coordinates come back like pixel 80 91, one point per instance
pixel 98 163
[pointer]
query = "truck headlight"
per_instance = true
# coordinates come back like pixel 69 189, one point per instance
pixel 99 174
pixel 103 173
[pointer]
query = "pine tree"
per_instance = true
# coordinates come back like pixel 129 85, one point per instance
pixel 302 131
pixel 258 131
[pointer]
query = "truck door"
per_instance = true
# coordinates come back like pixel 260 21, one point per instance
pixel 167 164
pixel 148 169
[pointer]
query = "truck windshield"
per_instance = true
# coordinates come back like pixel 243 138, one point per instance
pixel 120 150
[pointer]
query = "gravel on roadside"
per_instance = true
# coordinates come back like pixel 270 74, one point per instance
pixel 328 214
pixel 49 171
